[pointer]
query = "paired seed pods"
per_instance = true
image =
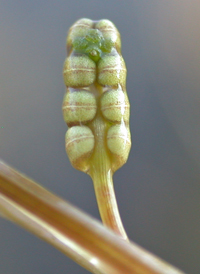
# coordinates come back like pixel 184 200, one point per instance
pixel 95 105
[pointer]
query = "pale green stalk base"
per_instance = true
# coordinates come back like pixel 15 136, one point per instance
pixel 107 203
pixel 101 173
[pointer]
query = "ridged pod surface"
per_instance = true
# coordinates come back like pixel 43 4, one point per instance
pixel 96 101
pixel 115 106
pixel 111 70
pixel 79 146
pixel 79 106
pixel 79 70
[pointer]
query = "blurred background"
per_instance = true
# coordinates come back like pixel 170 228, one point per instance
pixel 158 190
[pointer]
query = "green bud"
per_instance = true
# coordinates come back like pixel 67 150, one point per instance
pixel 92 43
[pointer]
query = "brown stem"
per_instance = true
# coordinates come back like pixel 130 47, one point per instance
pixel 71 231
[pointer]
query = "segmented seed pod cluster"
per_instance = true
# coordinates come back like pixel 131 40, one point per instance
pixel 95 78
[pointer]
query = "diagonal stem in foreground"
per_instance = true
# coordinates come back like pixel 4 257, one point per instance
pixel 71 231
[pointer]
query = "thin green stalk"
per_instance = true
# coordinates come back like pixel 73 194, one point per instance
pixel 101 173
pixel 107 203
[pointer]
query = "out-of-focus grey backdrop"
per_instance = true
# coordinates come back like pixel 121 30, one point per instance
pixel 158 190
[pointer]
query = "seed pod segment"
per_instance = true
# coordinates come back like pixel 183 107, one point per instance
pixel 79 146
pixel 111 70
pixel 79 70
pixel 115 105
pixel 109 31
pixel 119 144
pixel 79 29
pixel 79 106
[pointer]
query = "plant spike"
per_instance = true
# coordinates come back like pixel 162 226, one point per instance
pixel 96 110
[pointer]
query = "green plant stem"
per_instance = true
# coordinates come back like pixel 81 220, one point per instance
pixel 107 203
pixel 101 173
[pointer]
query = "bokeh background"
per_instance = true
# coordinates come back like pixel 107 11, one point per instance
pixel 158 190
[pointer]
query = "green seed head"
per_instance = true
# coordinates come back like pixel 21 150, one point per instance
pixel 96 106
